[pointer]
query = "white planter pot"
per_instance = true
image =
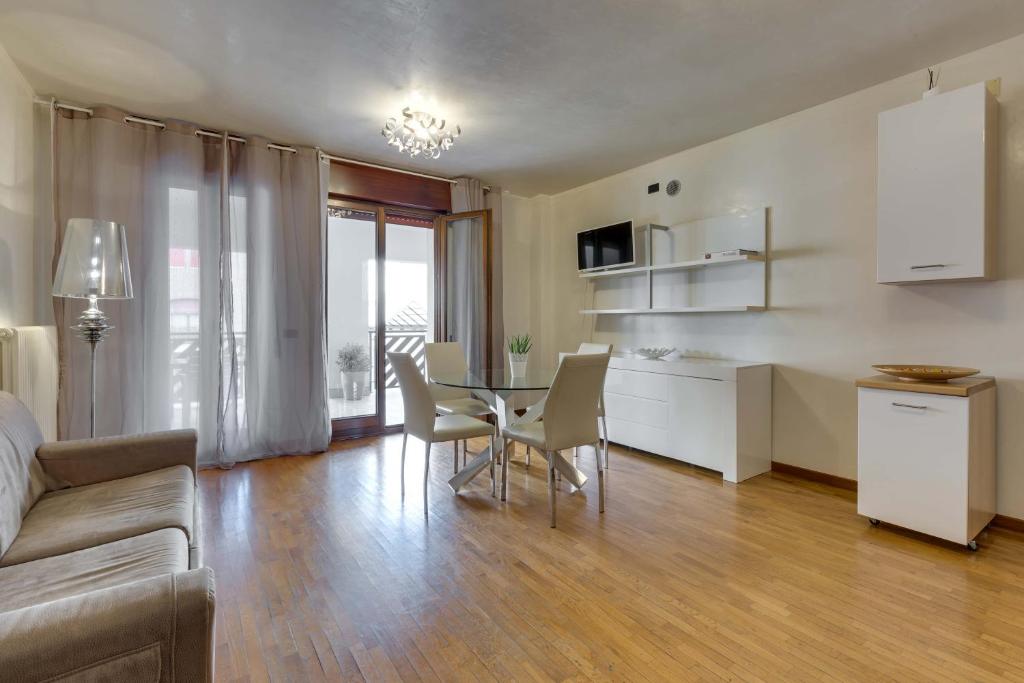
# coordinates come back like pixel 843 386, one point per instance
pixel 517 364
pixel 355 384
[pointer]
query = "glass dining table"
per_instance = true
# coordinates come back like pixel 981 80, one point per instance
pixel 499 390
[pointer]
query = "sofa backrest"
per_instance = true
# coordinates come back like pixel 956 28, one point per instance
pixel 21 475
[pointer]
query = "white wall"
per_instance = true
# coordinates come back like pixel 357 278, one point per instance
pixel 828 320
pixel 17 288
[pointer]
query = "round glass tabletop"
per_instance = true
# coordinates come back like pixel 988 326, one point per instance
pixel 536 378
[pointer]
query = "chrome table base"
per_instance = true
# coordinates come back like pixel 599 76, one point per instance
pixel 503 407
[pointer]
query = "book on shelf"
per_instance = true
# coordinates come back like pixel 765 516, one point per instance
pixel 730 252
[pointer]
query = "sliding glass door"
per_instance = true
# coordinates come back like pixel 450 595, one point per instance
pixel 380 298
pixel 352 314
pixel 408 298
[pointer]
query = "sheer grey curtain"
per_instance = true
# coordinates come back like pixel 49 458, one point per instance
pixel 467 304
pixel 225 333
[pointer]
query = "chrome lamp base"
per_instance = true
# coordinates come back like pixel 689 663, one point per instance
pixel 93 327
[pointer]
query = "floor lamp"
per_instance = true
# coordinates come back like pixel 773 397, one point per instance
pixel 93 265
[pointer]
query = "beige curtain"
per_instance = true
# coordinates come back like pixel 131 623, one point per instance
pixel 225 333
pixel 466 274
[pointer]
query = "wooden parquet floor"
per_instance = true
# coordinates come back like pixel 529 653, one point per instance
pixel 324 573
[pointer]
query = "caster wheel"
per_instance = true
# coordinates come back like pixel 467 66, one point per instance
pixel 972 546
pixel 874 522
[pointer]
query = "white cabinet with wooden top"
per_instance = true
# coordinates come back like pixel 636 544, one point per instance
pixel 712 413
pixel 926 455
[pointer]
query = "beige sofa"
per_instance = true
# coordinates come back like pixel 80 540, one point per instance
pixel 101 576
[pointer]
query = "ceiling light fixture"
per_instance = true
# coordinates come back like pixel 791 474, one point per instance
pixel 420 133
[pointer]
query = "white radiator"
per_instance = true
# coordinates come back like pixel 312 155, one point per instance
pixel 28 369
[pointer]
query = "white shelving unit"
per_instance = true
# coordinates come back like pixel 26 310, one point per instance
pixel 684 282
pixel 677 309
pixel 681 265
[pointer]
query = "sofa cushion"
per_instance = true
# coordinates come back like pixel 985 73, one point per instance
pixel 86 516
pixel 112 564
pixel 21 476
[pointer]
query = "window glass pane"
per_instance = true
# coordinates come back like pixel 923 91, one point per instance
pixel 183 291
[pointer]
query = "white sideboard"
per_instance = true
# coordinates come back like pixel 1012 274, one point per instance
pixel 926 455
pixel 712 413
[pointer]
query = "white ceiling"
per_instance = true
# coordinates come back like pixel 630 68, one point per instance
pixel 550 94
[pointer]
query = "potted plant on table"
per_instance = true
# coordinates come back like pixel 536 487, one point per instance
pixel 354 363
pixel 518 348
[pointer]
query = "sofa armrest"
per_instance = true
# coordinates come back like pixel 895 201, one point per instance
pixel 155 629
pixel 87 461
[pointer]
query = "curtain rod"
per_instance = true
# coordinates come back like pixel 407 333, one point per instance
pixel 325 155
pixel 271 145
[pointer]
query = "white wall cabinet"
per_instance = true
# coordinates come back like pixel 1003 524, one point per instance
pixel 712 413
pixel 937 165
pixel 926 460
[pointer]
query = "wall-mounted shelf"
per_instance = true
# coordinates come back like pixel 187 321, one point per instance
pixel 684 281
pixel 680 265
pixel 672 309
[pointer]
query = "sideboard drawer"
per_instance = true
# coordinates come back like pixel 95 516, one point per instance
pixel 635 409
pixel 632 383
pixel 636 435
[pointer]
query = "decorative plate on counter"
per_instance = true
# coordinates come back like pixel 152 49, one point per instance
pixel 654 353
pixel 926 373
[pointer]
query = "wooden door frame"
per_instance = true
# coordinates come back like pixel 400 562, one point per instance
pixel 371 425
pixel 441 275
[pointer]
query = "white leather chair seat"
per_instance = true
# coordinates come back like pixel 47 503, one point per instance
pixel 531 434
pixel 452 427
pixel 462 406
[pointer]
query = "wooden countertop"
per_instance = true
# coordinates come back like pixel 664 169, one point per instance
pixel 954 387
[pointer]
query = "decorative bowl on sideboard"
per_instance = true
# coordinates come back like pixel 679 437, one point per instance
pixel 926 373
pixel 654 353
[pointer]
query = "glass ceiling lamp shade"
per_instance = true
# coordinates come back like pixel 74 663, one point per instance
pixel 420 133
pixel 93 265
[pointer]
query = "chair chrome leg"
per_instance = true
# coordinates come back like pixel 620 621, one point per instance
pixel 494 455
pixel 527 456
pixel 464 452
pixel 600 477
pixel 504 467
pixel 455 456
pixel 405 440
pixel 551 487
pixel 604 431
pixel 426 475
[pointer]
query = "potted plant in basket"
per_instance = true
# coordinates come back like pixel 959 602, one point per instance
pixel 354 363
pixel 518 347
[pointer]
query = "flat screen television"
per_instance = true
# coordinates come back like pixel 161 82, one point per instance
pixel 607 247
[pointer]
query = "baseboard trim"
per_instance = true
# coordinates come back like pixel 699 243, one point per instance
pixel 1008 523
pixel 814 475
pixel 1001 521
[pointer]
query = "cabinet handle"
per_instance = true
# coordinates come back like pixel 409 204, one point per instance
pixel 909 405
pixel 929 265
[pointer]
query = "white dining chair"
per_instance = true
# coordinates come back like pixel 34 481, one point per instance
pixel 570 420
pixel 591 348
pixel 448 358
pixel 587 348
pixel 423 423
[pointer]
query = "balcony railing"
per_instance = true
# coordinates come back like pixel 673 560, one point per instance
pixel 400 341
pixel 185 371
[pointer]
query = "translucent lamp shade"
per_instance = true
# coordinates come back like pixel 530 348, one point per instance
pixel 93 261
